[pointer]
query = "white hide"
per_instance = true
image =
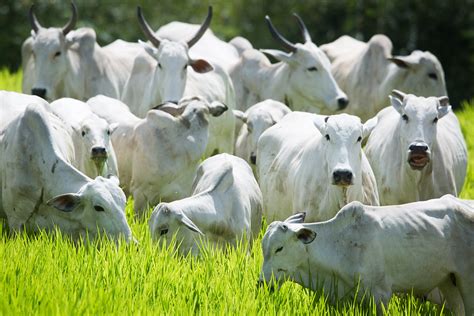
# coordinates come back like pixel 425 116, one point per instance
pixel 41 190
pixel 300 161
pixel 411 248
pixel 225 206
pixel 93 151
pixel 368 72
pixel 158 155
pixel 428 122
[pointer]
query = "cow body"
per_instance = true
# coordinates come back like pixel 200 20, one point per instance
pixel 225 206
pixel 314 163
pixel 410 248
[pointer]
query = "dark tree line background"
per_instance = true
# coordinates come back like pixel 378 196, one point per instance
pixel 444 27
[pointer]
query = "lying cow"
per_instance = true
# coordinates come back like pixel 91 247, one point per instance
pixel 158 155
pixel 93 151
pixel 315 163
pixel 256 120
pixel 368 72
pixel 41 190
pixel 417 150
pixel 410 248
pixel 225 206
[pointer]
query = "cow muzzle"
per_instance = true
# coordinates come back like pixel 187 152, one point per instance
pixel 99 157
pixel 418 155
pixel 342 178
pixel 40 92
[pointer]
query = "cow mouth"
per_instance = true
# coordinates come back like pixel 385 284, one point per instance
pixel 99 162
pixel 343 183
pixel 418 161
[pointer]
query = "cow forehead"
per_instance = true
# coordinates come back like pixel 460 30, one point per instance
pixel 48 38
pixel 311 55
pixel 173 51
pixel 94 124
pixel 102 189
pixel 421 107
pixel 344 124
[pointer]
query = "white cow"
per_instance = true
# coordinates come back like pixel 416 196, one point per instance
pixel 225 206
pixel 60 62
pixel 256 120
pixel 417 150
pixel 93 151
pixel 314 163
pixel 410 248
pixel 41 190
pixel 162 75
pixel 302 79
pixel 158 155
pixel 368 72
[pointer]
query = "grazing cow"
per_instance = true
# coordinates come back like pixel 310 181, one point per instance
pixel 60 62
pixel 367 72
pixel 41 190
pixel 410 248
pixel 225 206
pixel 256 120
pixel 157 156
pixel 162 75
pixel 311 162
pixel 302 79
pixel 417 150
pixel 93 151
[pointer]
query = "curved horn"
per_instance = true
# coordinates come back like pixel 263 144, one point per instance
pixel 286 44
pixel 147 29
pixel 304 30
pixel 202 29
pixel 72 22
pixel 398 94
pixel 35 26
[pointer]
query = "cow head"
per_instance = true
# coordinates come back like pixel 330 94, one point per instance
pixel 98 206
pixel 342 139
pixel 284 251
pixel 173 59
pixel 418 125
pixel 49 50
pixel 421 73
pixel 167 223
pixel 310 69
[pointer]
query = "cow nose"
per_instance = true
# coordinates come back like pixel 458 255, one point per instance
pixel 342 103
pixel 99 151
pixel 343 177
pixel 253 158
pixel 40 92
pixel 418 147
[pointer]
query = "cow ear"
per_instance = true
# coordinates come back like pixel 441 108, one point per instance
pixel 240 115
pixel 171 108
pixel 151 50
pixel 189 224
pixel 201 66
pixel 113 127
pixel 305 235
pixel 279 55
pixel 443 107
pixel 65 202
pixel 397 104
pixel 297 218
pixel 399 62
pixel 320 122
pixel 369 127
pixel 216 108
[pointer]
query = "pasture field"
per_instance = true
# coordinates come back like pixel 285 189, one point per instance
pixel 48 275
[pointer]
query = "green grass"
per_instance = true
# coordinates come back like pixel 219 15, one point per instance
pixel 48 275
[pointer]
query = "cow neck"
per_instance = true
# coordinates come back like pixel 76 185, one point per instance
pixel 275 77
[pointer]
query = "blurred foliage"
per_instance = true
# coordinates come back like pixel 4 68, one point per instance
pixel 444 27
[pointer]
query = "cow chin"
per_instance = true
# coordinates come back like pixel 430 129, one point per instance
pixel 418 160
pixel 99 163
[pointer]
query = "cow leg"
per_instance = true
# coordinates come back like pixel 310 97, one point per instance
pixel 140 204
pixel 466 288
pixel 450 295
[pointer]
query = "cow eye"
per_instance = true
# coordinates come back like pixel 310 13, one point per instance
pixel 159 65
pixel 57 54
pixel 83 133
pixel 327 137
pixel 279 249
pixel 163 231
pixel 99 208
pixel 359 139
pixel 405 117
pixel 435 120
pixel 433 76
pixel 108 132
pixel 312 69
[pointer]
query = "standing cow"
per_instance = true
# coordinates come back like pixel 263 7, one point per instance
pixel 314 163
pixel 417 150
pixel 410 248
pixel 225 206
pixel 368 72
pixel 302 79
pixel 62 62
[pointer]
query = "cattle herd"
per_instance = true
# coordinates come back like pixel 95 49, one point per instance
pixel 161 120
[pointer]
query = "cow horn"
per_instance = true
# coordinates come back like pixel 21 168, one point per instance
pixel 72 22
pixel 398 94
pixel 202 29
pixel 33 20
pixel 304 30
pixel 286 44
pixel 147 29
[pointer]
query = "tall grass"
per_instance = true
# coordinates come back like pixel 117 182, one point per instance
pixel 49 275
